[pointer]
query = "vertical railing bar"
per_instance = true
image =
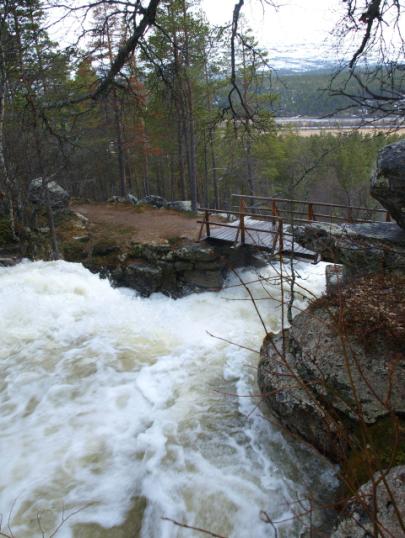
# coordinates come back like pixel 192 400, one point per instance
pixel 242 220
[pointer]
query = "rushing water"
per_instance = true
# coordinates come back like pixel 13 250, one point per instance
pixel 125 411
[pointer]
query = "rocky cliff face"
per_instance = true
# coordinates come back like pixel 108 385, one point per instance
pixel 388 182
pixel 336 378
pixel 321 381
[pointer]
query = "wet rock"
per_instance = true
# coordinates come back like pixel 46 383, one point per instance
pixel 58 197
pixel 310 385
pixel 209 280
pixel 143 277
pixel 376 505
pixel 388 182
pixel 361 248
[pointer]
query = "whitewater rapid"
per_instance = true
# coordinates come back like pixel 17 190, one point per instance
pixel 118 411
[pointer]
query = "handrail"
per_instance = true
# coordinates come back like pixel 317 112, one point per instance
pixel 305 202
pixel 278 216
pixel 236 213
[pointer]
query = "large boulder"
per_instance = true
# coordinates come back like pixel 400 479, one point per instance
pixel 388 181
pixel 316 375
pixel 378 504
pixel 361 248
pixel 58 197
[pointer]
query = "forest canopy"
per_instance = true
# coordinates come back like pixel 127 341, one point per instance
pixel 149 97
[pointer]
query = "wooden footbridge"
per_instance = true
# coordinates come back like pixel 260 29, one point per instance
pixel 264 222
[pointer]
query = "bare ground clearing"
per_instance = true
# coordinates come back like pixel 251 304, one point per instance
pixel 143 225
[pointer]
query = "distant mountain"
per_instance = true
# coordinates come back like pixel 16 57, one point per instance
pixel 303 57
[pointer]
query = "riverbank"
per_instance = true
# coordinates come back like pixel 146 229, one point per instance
pixel 144 248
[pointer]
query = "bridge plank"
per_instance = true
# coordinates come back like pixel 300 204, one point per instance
pixel 262 239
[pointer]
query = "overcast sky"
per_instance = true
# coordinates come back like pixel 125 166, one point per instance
pixel 295 22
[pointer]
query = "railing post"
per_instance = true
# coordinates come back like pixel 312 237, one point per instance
pixel 274 211
pixel 242 220
pixel 281 236
pixel 310 212
pixel 349 214
pixel 387 217
pixel 207 223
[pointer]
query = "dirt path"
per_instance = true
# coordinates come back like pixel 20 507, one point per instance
pixel 143 225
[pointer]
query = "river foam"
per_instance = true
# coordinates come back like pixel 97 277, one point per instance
pixel 117 407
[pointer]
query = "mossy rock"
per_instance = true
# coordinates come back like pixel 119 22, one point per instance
pixel 137 250
pixel 104 247
pixel 74 251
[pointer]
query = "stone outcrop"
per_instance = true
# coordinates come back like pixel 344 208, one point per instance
pixel 381 506
pixel 58 197
pixel 361 248
pixel 310 386
pixel 174 271
pixel 388 182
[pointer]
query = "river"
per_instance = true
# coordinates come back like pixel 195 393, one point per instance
pixel 118 411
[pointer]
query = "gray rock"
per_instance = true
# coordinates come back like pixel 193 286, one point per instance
pixel 183 266
pixel 132 199
pixel 81 221
pixel 180 205
pixel 143 277
pixel 209 280
pixel 196 253
pixel 309 387
pixel 361 248
pixel 153 200
pixel 388 182
pixel 82 238
pixel 361 514
pixel 58 197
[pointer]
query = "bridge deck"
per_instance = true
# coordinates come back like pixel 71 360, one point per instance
pixel 263 239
